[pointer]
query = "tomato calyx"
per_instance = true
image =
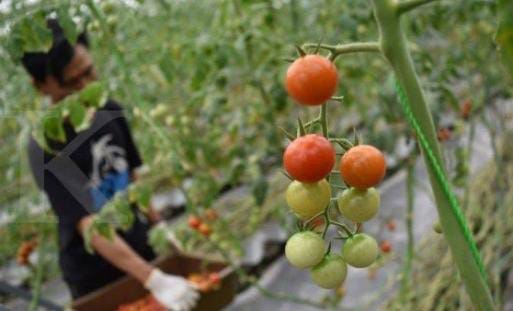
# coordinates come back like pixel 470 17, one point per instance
pixel 300 51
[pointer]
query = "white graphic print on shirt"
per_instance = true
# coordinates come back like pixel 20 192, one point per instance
pixel 109 171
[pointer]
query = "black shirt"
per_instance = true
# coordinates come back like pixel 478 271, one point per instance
pixel 86 171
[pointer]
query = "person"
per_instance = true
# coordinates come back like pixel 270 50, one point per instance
pixel 90 167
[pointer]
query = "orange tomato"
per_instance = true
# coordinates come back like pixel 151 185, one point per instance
pixel 147 303
pixel 363 166
pixel 24 251
pixel 205 282
pixel 311 80
pixel 205 229
pixel 194 222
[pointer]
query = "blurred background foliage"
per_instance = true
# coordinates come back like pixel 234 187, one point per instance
pixel 202 84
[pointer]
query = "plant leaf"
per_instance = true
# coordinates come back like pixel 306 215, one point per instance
pixel 67 24
pixel 53 127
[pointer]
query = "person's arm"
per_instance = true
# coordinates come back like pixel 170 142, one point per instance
pixel 118 253
pixel 173 292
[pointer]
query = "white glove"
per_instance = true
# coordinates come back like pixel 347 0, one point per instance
pixel 173 292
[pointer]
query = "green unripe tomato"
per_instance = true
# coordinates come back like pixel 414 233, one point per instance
pixel 308 199
pixel 330 273
pixel 359 205
pixel 304 249
pixel 360 251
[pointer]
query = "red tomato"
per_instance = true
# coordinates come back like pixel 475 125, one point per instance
pixel 363 166
pixel 385 246
pixel 194 222
pixel 309 158
pixel 214 278
pixel 390 225
pixel 311 80
pixel 444 134
pixel 466 109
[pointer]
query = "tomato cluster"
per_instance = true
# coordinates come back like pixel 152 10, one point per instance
pixel 201 223
pixel 309 160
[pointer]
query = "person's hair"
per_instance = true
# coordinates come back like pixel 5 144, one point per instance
pixel 40 65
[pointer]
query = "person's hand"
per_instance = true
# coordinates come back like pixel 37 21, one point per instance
pixel 173 292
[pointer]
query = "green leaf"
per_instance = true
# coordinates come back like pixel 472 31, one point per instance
pixel 34 34
pixel 53 126
pixel 67 24
pixel 144 197
pixel 39 136
pixel 505 33
pixel 157 238
pixel 14 46
pixel 94 95
pixel 78 116
pixel 104 229
pixel 259 190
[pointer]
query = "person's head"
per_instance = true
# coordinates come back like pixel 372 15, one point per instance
pixel 64 69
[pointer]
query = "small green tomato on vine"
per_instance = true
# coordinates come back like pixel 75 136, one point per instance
pixel 360 250
pixel 359 205
pixel 305 249
pixel 330 273
pixel 308 199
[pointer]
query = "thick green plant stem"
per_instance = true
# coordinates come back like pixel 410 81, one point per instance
pixel 409 5
pixel 410 196
pixel 394 48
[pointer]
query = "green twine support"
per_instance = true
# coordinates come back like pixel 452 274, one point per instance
pixel 440 177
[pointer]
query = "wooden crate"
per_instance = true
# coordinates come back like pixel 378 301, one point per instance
pixel 127 289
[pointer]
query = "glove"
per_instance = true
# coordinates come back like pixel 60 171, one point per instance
pixel 173 292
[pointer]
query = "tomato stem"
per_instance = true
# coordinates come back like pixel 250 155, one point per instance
pixel 300 51
pixel 289 135
pixel 344 227
pixel 326 220
pixel 287 175
pixel 346 144
pixel 323 120
pixel 300 127
pixel 313 218
pixel 336 50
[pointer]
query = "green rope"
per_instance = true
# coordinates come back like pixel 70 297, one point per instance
pixel 442 180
